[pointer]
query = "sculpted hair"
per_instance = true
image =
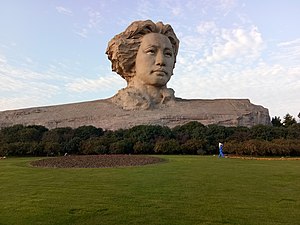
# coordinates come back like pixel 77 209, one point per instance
pixel 123 48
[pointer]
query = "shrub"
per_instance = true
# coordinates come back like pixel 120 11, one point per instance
pixel 277 147
pixel 194 146
pixel 93 146
pixel 121 147
pixel 148 133
pixel 73 146
pixel 189 130
pixel 52 148
pixel 167 147
pixel 86 132
pixel 143 148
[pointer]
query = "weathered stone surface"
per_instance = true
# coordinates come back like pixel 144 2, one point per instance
pixel 107 115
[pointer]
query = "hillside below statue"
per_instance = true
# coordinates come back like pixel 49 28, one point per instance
pixel 145 56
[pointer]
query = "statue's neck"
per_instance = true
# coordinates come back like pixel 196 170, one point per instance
pixel 154 93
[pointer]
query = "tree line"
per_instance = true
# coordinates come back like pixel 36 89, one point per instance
pixel 191 138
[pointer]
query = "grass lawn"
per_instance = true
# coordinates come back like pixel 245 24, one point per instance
pixel 187 190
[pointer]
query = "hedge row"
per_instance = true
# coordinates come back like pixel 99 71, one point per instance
pixel 278 147
pixel 191 138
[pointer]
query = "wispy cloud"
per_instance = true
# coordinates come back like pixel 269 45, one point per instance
pixel 83 32
pixel 212 47
pixel 23 87
pixel 267 85
pixel 63 10
pixel 146 9
pixel 94 19
pixel 225 6
pixel 91 24
pixel 217 62
pixel 2 60
pixel 234 43
pixel 101 84
pixel 287 53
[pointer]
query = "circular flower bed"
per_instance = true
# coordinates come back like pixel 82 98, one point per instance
pixel 96 161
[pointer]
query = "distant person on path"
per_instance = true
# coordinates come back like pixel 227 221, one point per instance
pixel 221 150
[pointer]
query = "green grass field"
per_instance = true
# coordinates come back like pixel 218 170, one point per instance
pixel 187 190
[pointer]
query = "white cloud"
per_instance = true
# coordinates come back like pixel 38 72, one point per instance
pixel 95 19
pixel 82 33
pixel 207 27
pixel 176 11
pixel 216 44
pixel 101 84
pixel 63 10
pixel 225 6
pixel 2 60
pixel 13 103
pixel 92 23
pixel 215 63
pixel 24 88
pixel 236 43
pixel 173 6
pixel 287 53
pixel 272 86
pixel 144 8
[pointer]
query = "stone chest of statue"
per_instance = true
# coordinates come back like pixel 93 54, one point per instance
pixel 144 55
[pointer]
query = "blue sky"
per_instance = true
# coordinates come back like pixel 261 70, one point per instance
pixel 53 51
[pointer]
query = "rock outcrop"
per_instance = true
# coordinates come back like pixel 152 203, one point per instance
pixel 105 114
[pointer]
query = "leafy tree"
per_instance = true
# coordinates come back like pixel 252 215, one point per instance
pixel 52 148
pixel 276 121
pixel 86 132
pixel 143 148
pixel 170 146
pixel 59 135
pixel 95 146
pixel 239 133
pixel 10 134
pixel 121 147
pixel 194 146
pixel 29 134
pixel 279 133
pixel 216 134
pixel 261 132
pixel 288 120
pixel 73 146
pixel 293 131
pixel 148 133
pixel 190 130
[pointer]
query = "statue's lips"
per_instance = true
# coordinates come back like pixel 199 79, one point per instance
pixel 160 72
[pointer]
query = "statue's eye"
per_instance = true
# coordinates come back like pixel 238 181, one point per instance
pixel 150 51
pixel 168 54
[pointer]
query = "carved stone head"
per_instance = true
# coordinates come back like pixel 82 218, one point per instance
pixel 122 50
pixel 144 55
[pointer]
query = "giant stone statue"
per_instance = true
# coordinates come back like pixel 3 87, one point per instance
pixel 145 56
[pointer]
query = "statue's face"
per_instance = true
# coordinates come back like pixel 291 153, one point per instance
pixel 155 60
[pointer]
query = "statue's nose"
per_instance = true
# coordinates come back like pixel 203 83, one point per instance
pixel 160 59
